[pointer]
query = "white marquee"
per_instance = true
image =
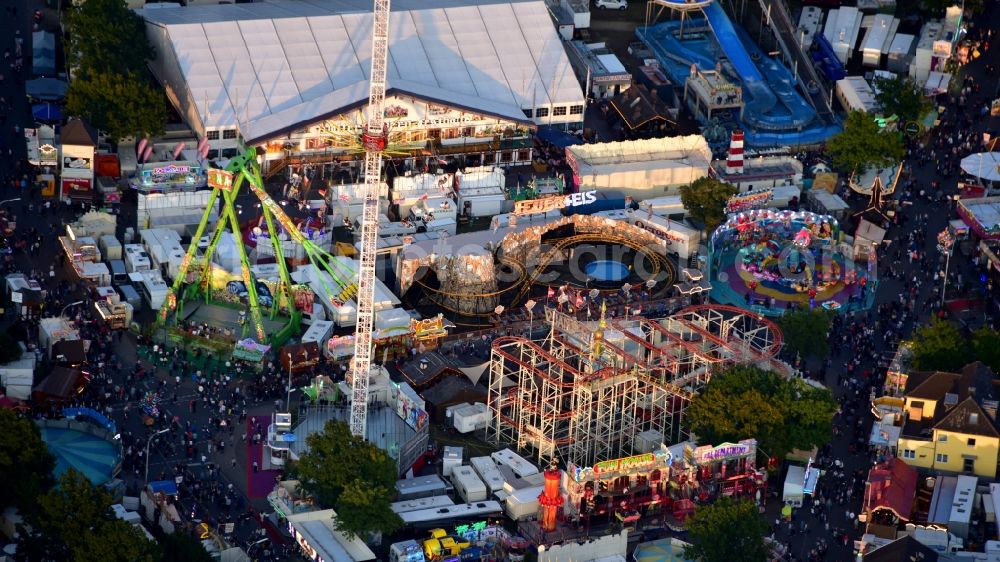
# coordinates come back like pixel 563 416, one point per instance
pixel 268 67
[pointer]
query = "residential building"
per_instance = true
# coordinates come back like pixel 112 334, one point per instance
pixel 906 548
pixel 944 422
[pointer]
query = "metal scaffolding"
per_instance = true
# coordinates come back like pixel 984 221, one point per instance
pixel 589 389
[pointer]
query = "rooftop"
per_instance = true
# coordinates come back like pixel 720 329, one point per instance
pixel 273 66
pixel 968 418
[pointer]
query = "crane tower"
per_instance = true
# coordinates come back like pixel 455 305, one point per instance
pixel 373 140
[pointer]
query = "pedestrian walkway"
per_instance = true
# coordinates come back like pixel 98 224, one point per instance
pixel 260 481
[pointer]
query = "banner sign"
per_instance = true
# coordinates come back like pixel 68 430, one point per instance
pixel 660 458
pixel 555 202
pixel 721 453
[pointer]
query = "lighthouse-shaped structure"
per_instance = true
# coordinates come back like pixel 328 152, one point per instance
pixel 734 163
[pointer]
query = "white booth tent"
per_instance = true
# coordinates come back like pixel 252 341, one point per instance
pixel 271 67
pixel 641 168
pixel 983 165
pixel 793 493
pixel 18 377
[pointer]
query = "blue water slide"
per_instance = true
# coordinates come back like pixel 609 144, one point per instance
pixel 763 93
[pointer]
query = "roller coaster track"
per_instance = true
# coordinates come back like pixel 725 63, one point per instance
pixel 524 282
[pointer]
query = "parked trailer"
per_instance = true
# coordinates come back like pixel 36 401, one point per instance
pixel 467 484
pixel 440 516
pixel 421 487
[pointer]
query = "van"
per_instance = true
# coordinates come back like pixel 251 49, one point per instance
pixel 118 273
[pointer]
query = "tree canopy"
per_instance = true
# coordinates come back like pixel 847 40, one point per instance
pixel 806 332
pixel 705 200
pixel 119 104
pixel 863 145
pixel 105 36
pixel 938 346
pixel 74 521
pixel 354 477
pixel 182 547
pixel 112 87
pixel 986 346
pixel 747 402
pixel 726 531
pixel 901 96
pixel 25 462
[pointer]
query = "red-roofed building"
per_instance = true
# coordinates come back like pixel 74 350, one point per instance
pixel 891 487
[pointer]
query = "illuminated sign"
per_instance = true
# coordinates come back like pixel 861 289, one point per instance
pixel 555 202
pixel 75 163
pixel 611 468
pixel 749 200
pixel 428 329
pixel 624 465
pixel 724 452
pixel 220 179
pixel 171 169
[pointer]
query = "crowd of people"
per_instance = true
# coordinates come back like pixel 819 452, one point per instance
pixel 862 344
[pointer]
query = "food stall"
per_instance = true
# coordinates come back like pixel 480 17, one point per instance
pixel 299 357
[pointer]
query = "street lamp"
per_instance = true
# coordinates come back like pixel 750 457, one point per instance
pixel 946 243
pixel 288 395
pixel 63 311
pixel 148 441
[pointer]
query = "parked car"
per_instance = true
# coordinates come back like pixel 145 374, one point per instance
pixel 620 5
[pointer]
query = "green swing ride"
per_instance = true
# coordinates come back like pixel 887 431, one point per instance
pixel 197 272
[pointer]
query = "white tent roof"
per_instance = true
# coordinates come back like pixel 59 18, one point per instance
pixel 311 58
pixel 690 150
pixel 983 165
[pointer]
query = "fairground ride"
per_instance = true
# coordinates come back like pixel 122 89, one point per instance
pixel 195 277
pixel 480 302
pixel 585 395
pixel 374 138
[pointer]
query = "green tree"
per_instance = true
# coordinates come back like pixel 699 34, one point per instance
pixel 25 462
pixel 903 97
pixel 74 521
pixel 9 349
pixel 806 332
pixel 747 402
pixel 121 105
pixel 349 474
pixel 112 87
pixel 362 509
pixel 986 346
pixel 182 547
pixel 863 145
pixel 939 346
pixel 726 531
pixel 105 36
pixel 705 200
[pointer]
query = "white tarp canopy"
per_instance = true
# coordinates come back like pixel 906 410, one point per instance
pixel 643 165
pixel 272 65
pixel 984 165
pixel 937 83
